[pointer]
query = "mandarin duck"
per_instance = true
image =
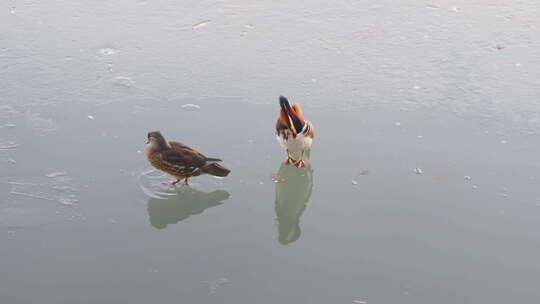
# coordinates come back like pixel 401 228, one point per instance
pixel 293 133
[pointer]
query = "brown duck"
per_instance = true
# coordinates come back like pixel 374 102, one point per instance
pixel 179 160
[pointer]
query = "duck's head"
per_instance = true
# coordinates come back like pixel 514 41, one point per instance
pixel 156 141
pixel 291 116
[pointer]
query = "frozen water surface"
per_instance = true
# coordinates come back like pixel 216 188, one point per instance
pixel 449 88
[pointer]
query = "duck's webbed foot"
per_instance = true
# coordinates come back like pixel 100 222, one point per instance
pixel 290 161
pixel 300 163
pixel 174 182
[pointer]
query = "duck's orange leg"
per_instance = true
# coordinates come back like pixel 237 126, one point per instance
pixel 300 163
pixel 290 160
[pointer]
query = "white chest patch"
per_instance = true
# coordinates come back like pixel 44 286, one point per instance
pixel 299 143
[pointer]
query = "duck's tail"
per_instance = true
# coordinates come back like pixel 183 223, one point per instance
pixel 216 170
pixel 213 159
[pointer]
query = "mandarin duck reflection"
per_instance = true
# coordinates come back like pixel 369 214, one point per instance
pixel 179 160
pixel 293 133
pixel 293 191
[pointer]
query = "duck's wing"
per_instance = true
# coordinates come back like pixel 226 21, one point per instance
pixel 179 145
pixel 181 161
pixel 182 147
pixel 280 126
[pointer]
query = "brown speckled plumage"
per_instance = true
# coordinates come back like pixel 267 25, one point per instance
pixel 179 160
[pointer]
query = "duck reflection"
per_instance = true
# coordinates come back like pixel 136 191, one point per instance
pixel 293 189
pixel 180 203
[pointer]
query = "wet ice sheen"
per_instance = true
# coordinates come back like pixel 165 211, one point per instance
pixel 441 73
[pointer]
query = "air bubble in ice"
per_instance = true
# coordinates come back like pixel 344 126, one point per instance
pixel 123 81
pixel 191 107
pixel 69 200
pixel 41 125
pixel 56 174
pixel 214 285
pixel 106 51
pixel 200 24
